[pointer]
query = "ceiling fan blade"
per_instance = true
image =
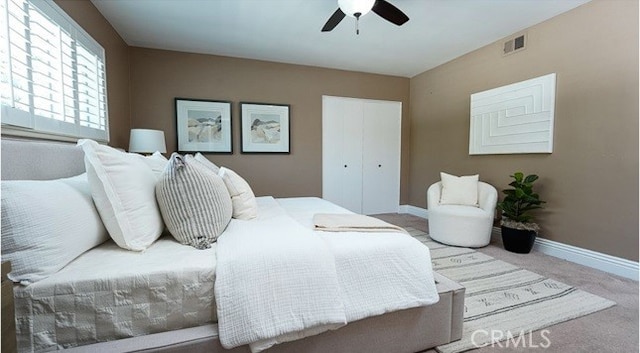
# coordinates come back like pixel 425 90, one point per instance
pixel 333 21
pixel 389 12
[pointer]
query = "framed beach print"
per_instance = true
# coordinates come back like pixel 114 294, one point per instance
pixel 265 128
pixel 203 125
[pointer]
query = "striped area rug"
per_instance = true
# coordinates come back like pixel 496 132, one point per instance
pixel 504 298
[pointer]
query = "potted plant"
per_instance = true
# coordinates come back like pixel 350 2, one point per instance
pixel 518 229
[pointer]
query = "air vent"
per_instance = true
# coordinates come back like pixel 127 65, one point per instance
pixel 515 44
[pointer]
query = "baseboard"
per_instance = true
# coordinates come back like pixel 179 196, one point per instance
pixel 414 210
pixel 603 262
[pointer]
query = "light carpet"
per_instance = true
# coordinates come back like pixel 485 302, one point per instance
pixel 503 300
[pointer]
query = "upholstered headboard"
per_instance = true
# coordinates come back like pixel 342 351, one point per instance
pixel 40 160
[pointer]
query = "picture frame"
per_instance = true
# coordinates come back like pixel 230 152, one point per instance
pixel 516 118
pixel 203 125
pixel 265 128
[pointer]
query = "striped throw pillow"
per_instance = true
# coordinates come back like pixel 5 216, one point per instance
pixel 195 204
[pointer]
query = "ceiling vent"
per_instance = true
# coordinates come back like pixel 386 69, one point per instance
pixel 514 44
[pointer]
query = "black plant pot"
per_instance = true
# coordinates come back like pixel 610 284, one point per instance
pixel 518 240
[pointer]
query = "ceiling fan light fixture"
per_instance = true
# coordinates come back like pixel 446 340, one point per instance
pixel 353 7
pixel 357 8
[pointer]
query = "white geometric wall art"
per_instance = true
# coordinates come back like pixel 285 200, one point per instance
pixel 517 118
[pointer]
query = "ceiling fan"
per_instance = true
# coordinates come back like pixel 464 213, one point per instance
pixel 358 8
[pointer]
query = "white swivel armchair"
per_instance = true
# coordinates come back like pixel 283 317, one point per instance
pixel 461 225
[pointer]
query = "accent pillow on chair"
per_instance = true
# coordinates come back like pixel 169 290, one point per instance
pixel 46 224
pixel 123 189
pixel 459 190
pixel 194 202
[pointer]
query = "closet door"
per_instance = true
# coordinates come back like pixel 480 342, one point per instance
pixel 381 156
pixel 361 154
pixel 342 152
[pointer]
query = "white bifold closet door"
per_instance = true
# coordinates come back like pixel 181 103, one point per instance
pixel 361 154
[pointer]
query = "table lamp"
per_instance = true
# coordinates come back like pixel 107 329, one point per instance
pixel 146 141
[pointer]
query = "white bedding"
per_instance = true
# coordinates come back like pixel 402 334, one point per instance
pixel 110 293
pixel 275 279
pixel 376 273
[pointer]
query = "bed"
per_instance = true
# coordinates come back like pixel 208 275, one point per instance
pixel 155 302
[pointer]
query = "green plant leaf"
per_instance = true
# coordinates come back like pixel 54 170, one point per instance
pixel 518 176
pixel 531 198
pixel 530 178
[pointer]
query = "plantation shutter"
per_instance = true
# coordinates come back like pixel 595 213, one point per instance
pixel 53 73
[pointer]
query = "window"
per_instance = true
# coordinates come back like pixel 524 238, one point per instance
pixel 53 76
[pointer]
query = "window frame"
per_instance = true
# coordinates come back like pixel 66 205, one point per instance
pixel 86 86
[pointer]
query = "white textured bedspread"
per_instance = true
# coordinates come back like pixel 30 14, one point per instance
pixel 275 281
pixel 110 293
pixel 278 280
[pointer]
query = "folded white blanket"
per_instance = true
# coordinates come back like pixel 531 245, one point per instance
pixel 275 282
pixel 352 222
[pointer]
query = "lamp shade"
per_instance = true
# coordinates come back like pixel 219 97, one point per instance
pixel 147 141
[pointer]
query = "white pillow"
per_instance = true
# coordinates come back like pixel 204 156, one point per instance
pixel 461 190
pixel 123 189
pixel 46 224
pixel 205 162
pixel 242 197
pixel 195 203
pixel 157 162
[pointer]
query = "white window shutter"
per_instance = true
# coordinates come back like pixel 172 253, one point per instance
pixel 53 73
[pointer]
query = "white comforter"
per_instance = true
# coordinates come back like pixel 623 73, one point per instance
pixel 278 280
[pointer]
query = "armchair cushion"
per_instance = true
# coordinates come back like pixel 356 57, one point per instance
pixel 457 190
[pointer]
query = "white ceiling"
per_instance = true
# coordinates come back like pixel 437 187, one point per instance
pixel 289 30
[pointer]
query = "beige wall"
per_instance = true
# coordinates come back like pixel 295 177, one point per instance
pixel 117 57
pixel 590 181
pixel 158 76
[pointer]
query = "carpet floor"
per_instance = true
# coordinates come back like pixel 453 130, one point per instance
pixel 502 301
pixel 611 330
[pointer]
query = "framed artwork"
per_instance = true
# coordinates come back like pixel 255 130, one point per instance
pixel 203 125
pixel 516 118
pixel 265 128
